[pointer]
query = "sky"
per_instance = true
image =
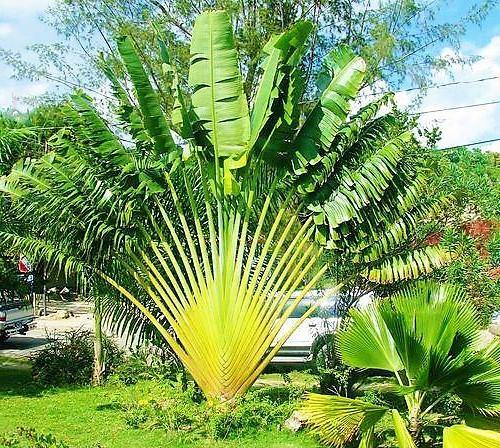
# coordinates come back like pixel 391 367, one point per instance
pixel 20 25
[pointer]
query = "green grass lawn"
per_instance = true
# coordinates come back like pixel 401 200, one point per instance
pixel 86 418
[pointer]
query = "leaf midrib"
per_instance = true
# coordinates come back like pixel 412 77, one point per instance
pixel 212 89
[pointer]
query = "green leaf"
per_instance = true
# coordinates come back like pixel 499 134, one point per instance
pixel 321 126
pixel 410 265
pixel 317 175
pixel 462 436
pixel 367 342
pixel 281 58
pixel 106 143
pixel 426 299
pixel 127 112
pixel 338 420
pixel 152 114
pixel 367 439
pixel 366 185
pixel 476 421
pixel 218 99
pixel 181 114
pixel 402 435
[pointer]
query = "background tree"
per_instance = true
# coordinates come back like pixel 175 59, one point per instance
pixel 25 138
pixel 396 38
pixel 470 224
pixel 16 140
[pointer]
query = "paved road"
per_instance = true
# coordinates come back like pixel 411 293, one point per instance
pixel 24 345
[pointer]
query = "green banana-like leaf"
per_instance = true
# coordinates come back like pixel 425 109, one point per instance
pixel 218 98
pixel 408 266
pixel 338 420
pixel 281 57
pixel 318 174
pixel 402 435
pixel 181 114
pixel 367 342
pixel 274 143
pixel 321 126
pixel 129 115
pixel 462 436
pixel 152 114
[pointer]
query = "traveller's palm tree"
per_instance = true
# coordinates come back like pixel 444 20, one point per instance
pixel 428 338
pixel 207 221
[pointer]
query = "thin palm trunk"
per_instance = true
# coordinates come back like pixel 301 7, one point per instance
pixel 99 354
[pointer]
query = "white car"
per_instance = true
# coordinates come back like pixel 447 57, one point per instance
pixel 303 343
pixel 16 317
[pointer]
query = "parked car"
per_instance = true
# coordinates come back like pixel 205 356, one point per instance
pixel 306 341
pixel 16 317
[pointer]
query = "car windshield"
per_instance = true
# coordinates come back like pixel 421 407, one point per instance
pixel 326 310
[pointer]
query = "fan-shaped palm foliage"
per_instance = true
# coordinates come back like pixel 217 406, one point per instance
pixel 205 220
pixel 428 338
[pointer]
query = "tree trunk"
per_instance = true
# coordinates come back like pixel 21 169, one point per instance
pixel 415 428
pixel 99 354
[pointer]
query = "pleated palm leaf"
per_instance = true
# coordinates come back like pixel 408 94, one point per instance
pixel 428 338
pixel 76 207
pixel 205 219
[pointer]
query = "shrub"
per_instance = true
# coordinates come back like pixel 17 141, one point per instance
pixel 176 409
pixel 29 438
pixel 335 376
pixel 68 359
pixel 148 363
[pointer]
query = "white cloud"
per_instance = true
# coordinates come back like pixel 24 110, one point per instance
pixel 6 29
pixel 17 8
pixel 472 124
pixel 12 98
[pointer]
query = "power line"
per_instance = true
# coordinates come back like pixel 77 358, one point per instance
pixel 467 106
pixel 437 86
pixel 482 142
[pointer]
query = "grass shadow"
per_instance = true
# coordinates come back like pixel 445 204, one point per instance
pixel 16 379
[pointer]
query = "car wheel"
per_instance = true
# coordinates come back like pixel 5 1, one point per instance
pixel 3 337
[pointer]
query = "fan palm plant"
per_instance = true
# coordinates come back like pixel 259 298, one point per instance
pixel 207 220
pixel 428 338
